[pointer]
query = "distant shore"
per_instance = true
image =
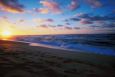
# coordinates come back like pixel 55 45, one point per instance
pixel 18 58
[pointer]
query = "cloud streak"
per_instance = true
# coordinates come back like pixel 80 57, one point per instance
pixel 11 6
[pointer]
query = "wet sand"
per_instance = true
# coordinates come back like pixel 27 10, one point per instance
pixel 22 60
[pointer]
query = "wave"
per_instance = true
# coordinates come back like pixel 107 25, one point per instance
pixel 99 44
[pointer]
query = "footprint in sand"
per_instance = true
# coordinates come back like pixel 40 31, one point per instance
pixel 18 73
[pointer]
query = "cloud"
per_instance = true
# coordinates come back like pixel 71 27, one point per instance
pixel 104 25
pixel 5 17
pixel 80 16
pixel 75 19
pixel 85 21
pixel 95 3
pixel 43 26
pixel 111 25
pixel 52 6
pixel 49 20
pixel 21 20
pixel 94 26
pixel 74 5
pixel 100 22
pixel 11 6
pixel 60 25
pixel 39 20
pixel 69 28
pixel 43 21
pixel 42 10
pixel 52 26
pixel 77 28
pixel 94 18
pixel 67 23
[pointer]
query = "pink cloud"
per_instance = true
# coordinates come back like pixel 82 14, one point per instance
pixel 80 15
pixel 74 5
pixel 52 6
pixel 95 3
pixel 42 10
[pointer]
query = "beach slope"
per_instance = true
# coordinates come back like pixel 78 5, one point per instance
pixel 18 59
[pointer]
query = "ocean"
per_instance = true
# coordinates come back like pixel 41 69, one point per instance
pixel 103 44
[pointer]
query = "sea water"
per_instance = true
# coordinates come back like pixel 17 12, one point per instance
pixel 91 43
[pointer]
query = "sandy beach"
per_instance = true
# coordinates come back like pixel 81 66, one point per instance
pixel 22 60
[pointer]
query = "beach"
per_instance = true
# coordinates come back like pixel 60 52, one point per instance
pixel 18 59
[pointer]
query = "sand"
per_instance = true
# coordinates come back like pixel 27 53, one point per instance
pixel 24 60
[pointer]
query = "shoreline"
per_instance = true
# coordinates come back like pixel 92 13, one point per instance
pixel 60 48
pixel 21 57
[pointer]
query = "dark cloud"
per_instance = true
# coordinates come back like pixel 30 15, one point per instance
pixel 78 17
pixel 67 23
pixel 105 25
pixel 75 19
pixel 100 22
pixel 49 20
pixel 60 25
pixel 95 18
pixel 77 28
pixel 86 21
pixel 44 26
pixel 94 26
pixel 69 28
pixel 12 6
pixel 82 15
pixel 111 25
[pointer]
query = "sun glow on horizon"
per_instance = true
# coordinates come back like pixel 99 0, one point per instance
pixel 6 34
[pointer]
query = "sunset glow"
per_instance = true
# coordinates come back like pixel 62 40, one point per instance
pixel 6 34
pixel 41 17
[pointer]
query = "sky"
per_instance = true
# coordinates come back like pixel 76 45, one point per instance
pixel 37 17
